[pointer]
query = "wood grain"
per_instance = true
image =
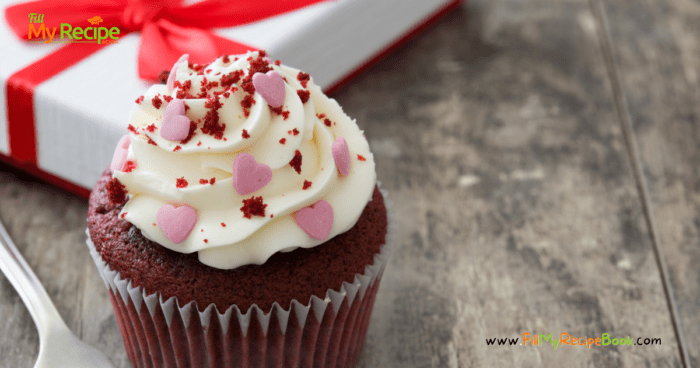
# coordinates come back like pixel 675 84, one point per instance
pixel 48 228
pixel 658 53
pixel 496 135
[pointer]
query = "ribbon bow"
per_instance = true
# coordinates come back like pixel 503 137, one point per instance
pixel 168 28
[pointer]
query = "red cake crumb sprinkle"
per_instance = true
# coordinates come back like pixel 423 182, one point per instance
pixel 296 162
pixel 245 134
pixel 181 182
pixel 272 215
pixel 183 89
pixel 129 166
pixel 253 206
pixel 123 214
pixel 247 102
pixel 361 158
pixel 196 67
pixel 157 102
pixel 211 124
pixel 210 86
pixel 295 131
pixel 203 181
pixel 307 184
pixel 115 191
pixel 167 98
pixel 303 95
pixel 140 99
pixel 247 86
pixel 321 116
pixel 327 122
pixel 225 139
pixel 199 143
pixel 283 140
pixel 202 230
pixel 278 63
pixel 132 129
pixel 225 59
pixel 151 128
pixel 279 111
pixel 212 181
pixel 303 78
pixel 190 134
pixel 163 76
pixel 229 79
pixel 223 224
pixel 154 224
pixel 186 107
pixel 177 148
pixel 262 53
pixel 206 240
pixel 151 141
pixel 213 103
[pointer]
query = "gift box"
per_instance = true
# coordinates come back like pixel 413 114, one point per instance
pixel 71 80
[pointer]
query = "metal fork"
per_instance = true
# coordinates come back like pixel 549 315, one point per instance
pixel 58 346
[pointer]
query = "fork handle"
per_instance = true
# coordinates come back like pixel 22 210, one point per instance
pixel 27 285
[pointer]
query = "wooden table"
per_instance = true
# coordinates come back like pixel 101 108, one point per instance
pixel 543 159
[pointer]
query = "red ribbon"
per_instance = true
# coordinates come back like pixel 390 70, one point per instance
pixel 168 30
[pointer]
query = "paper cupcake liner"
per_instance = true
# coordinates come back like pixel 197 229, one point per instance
pixel 328 332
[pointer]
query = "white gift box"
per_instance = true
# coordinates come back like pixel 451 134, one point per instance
pixel 80 113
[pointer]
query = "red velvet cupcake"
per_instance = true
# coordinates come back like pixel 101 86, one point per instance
pixel 239 223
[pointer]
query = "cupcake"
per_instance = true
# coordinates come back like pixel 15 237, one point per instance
pixel 240 222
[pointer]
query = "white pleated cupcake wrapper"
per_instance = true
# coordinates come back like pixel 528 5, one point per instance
pixel 354 292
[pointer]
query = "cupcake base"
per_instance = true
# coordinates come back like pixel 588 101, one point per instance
pixel 326 332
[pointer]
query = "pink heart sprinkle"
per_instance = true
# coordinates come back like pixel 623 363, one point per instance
pixel 120 153
pixel 316 220
pixel 248 175
pixel 341 155
pixel 176 223
pixel 171 76
pixel 175 125
pixel 270 86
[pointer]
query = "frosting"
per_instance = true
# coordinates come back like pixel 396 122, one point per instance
pixel 248 179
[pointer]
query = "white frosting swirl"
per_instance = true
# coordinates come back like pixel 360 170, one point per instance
pixel 223 237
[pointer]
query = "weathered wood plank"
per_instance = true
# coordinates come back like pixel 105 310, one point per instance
pixel 48 227
pixel 658 53
pixel 496 135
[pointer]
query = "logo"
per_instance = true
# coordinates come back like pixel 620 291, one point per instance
pixel 95 20
pixel 67 33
